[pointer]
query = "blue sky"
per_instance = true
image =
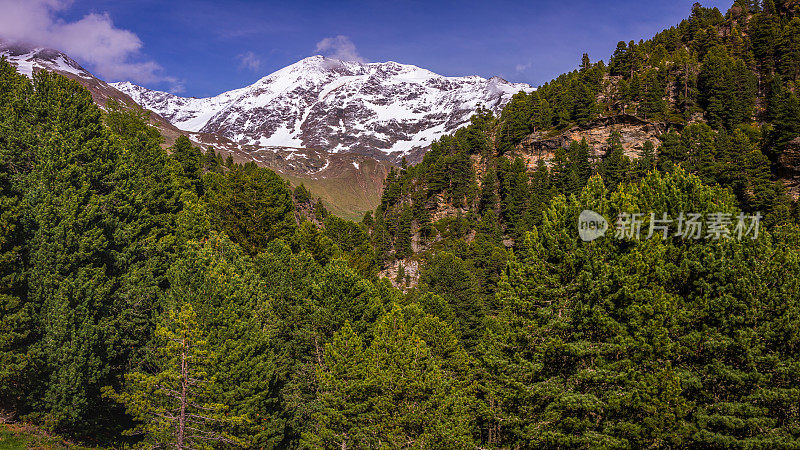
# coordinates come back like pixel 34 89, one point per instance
pixel 203 48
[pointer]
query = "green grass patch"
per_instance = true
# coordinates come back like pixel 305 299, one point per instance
pixel 24 436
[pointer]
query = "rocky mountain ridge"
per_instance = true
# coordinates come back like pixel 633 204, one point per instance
pixel 383 110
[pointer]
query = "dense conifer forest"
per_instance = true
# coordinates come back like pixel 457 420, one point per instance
pixel 154 297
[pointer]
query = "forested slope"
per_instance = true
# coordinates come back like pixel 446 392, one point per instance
pixel 171 298
pixel 716 94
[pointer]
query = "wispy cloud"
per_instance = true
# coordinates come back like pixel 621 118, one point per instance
pixel 113 53
pixel 523 67
pixel 249 60
pixel 339 47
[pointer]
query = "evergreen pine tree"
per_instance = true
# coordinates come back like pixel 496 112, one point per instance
pixel 615 164
pixel 175 405
pixel 71 282
pixel 190 159
pixel 252 205
pixel 16 313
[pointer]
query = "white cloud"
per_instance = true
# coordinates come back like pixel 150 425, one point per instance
pixel 249 60
pixel 339 47
pixel 523 67
pixel 111 52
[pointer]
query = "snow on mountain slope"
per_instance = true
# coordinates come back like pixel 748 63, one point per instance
pixel 384 110
pixel 27 59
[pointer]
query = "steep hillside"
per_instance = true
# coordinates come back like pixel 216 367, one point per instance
pixel 716 95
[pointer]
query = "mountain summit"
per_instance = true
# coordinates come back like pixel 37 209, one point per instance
pixel 385 110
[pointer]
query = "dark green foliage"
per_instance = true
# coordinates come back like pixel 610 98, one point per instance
pixel 615 165
pixel 654 107
pixel 16 159
pixel 252 205
pixel 513 193
pixel 402 243
pixel 320 212
pixel 353 239
pixel 541 190
pixel 450 277
pixel 212 161
pixel 727 89
pixel 145 208
pixel 191 161
pixel 72 281
pixel 489 189
pixel 789 50
pixel 765 30
pixel 786 125
pixel 647 159
pixel 515 335
pixel 311 239
pixel 301 194
pixel 516 120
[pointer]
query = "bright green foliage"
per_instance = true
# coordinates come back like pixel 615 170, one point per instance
pixel 232 305
pixel 173 403
pixel 646 344
pixel 398 391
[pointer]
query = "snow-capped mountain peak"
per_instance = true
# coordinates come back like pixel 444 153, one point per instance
pixel 379 109
pixel 28 59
